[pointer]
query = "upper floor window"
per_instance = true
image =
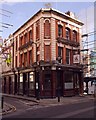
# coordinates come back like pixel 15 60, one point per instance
pixel 74 35
pixel 67 33
pixel 37 54
pixel 37 30
pixel 25 59
pixel 21 40
pixel 60 31
pixel 47 29
pixel 21 60
pixel 30 35
pixel 67 56
pixel 25 38
pixel 60 53
pixel 16 44
pixel 30 57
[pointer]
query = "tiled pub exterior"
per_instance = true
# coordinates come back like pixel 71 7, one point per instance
pixel 43 55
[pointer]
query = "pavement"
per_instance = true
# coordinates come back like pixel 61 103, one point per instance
pixel 7 108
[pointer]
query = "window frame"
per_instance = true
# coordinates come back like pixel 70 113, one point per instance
pixel 74 35
pixel 47 29
pixel 68 57
pixel 67 33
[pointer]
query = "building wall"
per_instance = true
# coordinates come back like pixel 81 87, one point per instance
pixel 41 69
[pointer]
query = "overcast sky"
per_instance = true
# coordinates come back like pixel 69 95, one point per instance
pixel 20 12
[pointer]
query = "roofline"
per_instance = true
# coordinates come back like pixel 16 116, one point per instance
pixel 27 21
pixel 49 9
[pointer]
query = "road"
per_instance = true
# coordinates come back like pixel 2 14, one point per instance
pixel 76 110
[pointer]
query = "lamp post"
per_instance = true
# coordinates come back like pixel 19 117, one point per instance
pixel 37 76
pixel 58 72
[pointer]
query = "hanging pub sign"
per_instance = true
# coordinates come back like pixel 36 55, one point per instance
pixel 76 58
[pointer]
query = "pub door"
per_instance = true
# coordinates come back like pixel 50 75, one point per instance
pixel 59 83
pixel 25 84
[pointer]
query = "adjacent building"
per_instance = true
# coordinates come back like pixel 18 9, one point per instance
pixel 7 66
pixel 46 56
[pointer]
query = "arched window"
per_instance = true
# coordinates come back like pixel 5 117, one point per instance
pixel 67 33
pixel 47 29
pixel 60 31
pixel 74 35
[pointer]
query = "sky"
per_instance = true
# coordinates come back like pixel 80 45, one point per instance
pixel 17 13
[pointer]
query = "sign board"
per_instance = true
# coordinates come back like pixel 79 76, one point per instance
pixel 76 58
pixel 69 85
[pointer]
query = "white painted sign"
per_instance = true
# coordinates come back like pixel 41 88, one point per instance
pixel 76 58
pixel 21 77
pixel 36 85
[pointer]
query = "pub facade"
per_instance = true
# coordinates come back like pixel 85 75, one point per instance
pixel 43 55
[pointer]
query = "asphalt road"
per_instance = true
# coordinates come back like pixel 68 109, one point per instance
pixel 77 110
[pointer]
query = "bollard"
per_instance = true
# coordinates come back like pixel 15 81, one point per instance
pixel 58 98
pixel 58 94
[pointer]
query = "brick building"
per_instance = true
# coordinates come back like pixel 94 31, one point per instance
pixel 7 67
pixel 43 55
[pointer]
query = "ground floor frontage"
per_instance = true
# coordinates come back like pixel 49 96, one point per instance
pixel 44 81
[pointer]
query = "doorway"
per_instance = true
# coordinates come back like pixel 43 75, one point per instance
pixel 25 84
pixel 59 83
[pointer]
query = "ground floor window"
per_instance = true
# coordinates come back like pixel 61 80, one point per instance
pixel 21 81
pixel 32 81
pixel 47 81
pixel 68 80
pixel 76 80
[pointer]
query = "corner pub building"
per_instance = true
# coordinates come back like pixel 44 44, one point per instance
pixel 43 55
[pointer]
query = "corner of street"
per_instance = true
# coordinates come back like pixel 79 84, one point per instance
pixel 10 107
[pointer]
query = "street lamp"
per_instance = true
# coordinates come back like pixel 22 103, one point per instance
pixel 37 76
pixel 59 58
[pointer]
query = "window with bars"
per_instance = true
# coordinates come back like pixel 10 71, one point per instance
pixel 47 29
pixel 67 56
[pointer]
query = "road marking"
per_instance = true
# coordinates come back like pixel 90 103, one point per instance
pixel 74 113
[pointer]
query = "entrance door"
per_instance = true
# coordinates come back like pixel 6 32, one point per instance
pixel 25 84
pixel 59 86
